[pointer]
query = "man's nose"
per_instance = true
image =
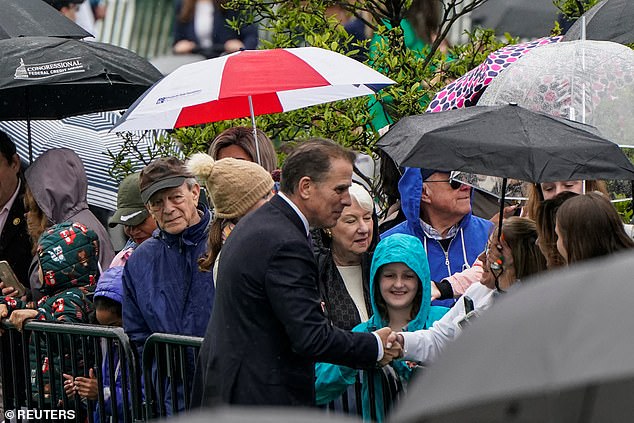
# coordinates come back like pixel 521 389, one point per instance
pixel 345 199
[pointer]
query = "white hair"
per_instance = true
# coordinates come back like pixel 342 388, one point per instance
pixel 362 197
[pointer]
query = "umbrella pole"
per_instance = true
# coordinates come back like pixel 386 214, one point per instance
pixel 28 124
pixel 28 136
pixel 501 217
pixel 255 131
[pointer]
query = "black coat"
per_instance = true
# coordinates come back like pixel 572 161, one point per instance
pixel 15 244
pixel 267 328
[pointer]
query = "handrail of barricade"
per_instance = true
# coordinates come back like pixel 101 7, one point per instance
pixel 62 343
pixel 175 355
pixel 178 353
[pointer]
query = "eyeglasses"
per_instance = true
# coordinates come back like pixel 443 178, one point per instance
pixel 452 183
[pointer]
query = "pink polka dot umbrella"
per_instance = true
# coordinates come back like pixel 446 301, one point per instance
pixel 466 90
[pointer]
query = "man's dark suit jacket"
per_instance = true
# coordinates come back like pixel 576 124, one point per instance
pixel 15 244
pixel 267 327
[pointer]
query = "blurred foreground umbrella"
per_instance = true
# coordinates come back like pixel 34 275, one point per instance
pixel 608 20
pixel 250 414
pixel 36 18
pixel 90 137
pixel 544 354
pixel 53 78
pixel 587 81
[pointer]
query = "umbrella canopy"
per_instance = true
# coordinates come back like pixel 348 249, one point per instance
pixel 507 141
pixel 275 81
pixel 52 78
pixel 36 18
pixel 560 349
pixel 608 20
pixel 466 90
pixel 521 18
pixel 587 81
pixel 90 137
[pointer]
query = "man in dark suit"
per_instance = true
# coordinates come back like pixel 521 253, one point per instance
pixel 15 244
pixel 267 327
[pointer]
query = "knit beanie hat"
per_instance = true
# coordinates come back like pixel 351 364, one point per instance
pixel 234 185
pixel 68 254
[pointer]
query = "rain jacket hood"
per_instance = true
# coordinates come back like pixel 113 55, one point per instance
pixel 58 182
pixel 410 186
pixel 68 254
pixel 408 250
pixel 110 284
pixel 468 243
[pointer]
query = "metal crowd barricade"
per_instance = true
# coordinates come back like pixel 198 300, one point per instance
pixel 351 400
pixel 34 391
pixel 167 367
pixel 170 360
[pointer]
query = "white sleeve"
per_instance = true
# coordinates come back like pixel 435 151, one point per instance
pixel 425 345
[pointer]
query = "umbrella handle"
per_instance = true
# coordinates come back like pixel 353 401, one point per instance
pixel 255 131
pixel 501 217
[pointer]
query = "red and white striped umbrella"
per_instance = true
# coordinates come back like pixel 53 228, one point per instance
pixel 274 81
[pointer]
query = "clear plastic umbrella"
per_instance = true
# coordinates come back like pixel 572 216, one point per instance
pixel 590 82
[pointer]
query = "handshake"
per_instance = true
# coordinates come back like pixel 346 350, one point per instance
pixel 392 345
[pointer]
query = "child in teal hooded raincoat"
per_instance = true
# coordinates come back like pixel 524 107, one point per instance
pixel 332 380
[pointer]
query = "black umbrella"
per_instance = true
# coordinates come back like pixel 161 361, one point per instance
pixel 561 349
pixel 521 18
pixel 608 20
pixel 507 141
pixel 53 78
pixel 36 18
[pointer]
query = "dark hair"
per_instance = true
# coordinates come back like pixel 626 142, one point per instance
pixel 7 147
pixel 58 4
pixel 188 9
pixel 311 158
pixel 381 305
pixel 108 304
pixel 242 136
pixel 520 233
pixel 591 227
pixel 545 220
pixel 425 18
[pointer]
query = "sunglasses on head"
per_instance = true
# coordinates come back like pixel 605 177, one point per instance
pixel 452 183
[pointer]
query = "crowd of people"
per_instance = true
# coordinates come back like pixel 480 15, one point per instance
pixel 299 290
pixel 297 271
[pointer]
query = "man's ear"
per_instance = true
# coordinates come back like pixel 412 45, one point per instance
pixel 304 187
pixel 15 163
pixel 425 196
pixel 196 192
